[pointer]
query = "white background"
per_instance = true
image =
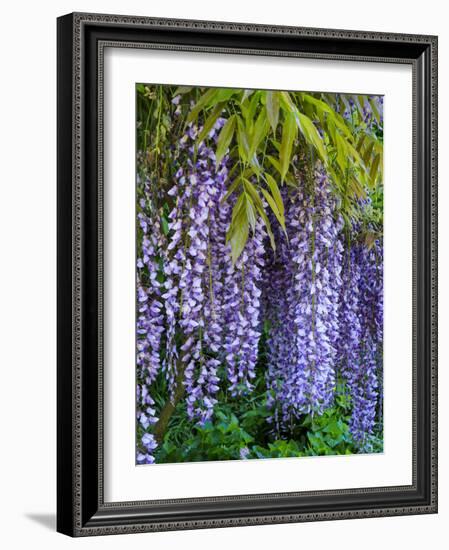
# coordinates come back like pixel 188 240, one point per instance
pixel 27 300
pixel 123 481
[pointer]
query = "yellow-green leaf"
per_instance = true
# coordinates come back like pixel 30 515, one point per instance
pixel 266 221
pixel 257 201
pixel 223 94
pixel 239 235
pixel 289 132
pixel 234 185
pixel 275 192
pixel 250 212
pixel 374 169
pixel 211 120
pixel 242 140
pixel 225 138
pixel 311 134
pixel 372 102
pixel 252 191
pixel 182 90
pixel 274 208
pixel 367 153
pixel 275 162
pixel 272 108
pixel 337 119
pixel 201 104
pixel 260 131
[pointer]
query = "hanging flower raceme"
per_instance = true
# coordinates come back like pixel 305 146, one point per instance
pixel 185 273
pixel 304 331
pixel 150 318
pixel 211 303
pixel 277 299
pixel 365 386
pixel 242 292
pixel 361 322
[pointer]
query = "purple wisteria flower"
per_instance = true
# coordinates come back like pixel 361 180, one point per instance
pixel 150 318
pixel 203 287
pixel 305 283
pixel 241 312
pixel 361 321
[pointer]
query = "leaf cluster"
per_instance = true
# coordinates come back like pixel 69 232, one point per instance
pixel 268 133
pixel 239 429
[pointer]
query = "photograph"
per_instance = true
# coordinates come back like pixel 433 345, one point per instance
pixel 247 274
pixel 259 273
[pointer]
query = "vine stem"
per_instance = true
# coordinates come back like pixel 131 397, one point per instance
pixel 160 428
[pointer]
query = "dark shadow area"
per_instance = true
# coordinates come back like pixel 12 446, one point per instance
pixel 47 520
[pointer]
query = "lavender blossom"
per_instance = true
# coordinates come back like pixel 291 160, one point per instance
pixel 242 305
pixel 150 318
pixel 361 337
pixel 304 334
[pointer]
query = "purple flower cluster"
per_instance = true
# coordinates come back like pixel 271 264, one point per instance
pixel 150 318
pixel 360 350
pixel 364 381
pixel 189 278
pixel 305 284
pixel 241 307
pixel 203 288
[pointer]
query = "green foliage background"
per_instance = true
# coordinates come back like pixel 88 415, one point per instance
pixel 239 429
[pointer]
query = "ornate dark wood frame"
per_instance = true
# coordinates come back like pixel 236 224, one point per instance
pixel 81 509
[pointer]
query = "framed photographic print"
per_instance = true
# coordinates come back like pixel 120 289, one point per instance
pixel 247 280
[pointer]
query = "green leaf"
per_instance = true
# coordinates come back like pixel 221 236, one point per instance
pixel 246 95
pixel 372 102
pixel 260 131
pixel 250 212
pixel 253 104
pixel 336 118
pixel 286 102
pixel 210 121
pixel 274 208
pixel 238 207
pixel 164 223
pixel 289 132
pixel 360 143
pixel 272 108
pixel 182 90
pixel 242 140
pixel 240 230
pixel 342 152
pixel 225 138
pixel 234 185
pixel 305 125
pixel 224 94
pixel 268 227
pixel 201 104
pixel 357 188
pixel 355 155
pixel 368 152
pixel 277 166
pixel 370 239
pixel 311 134
pixel 361 103
pixel 275 163
pixel 252 191
pixel 275 192
pixel 374 169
